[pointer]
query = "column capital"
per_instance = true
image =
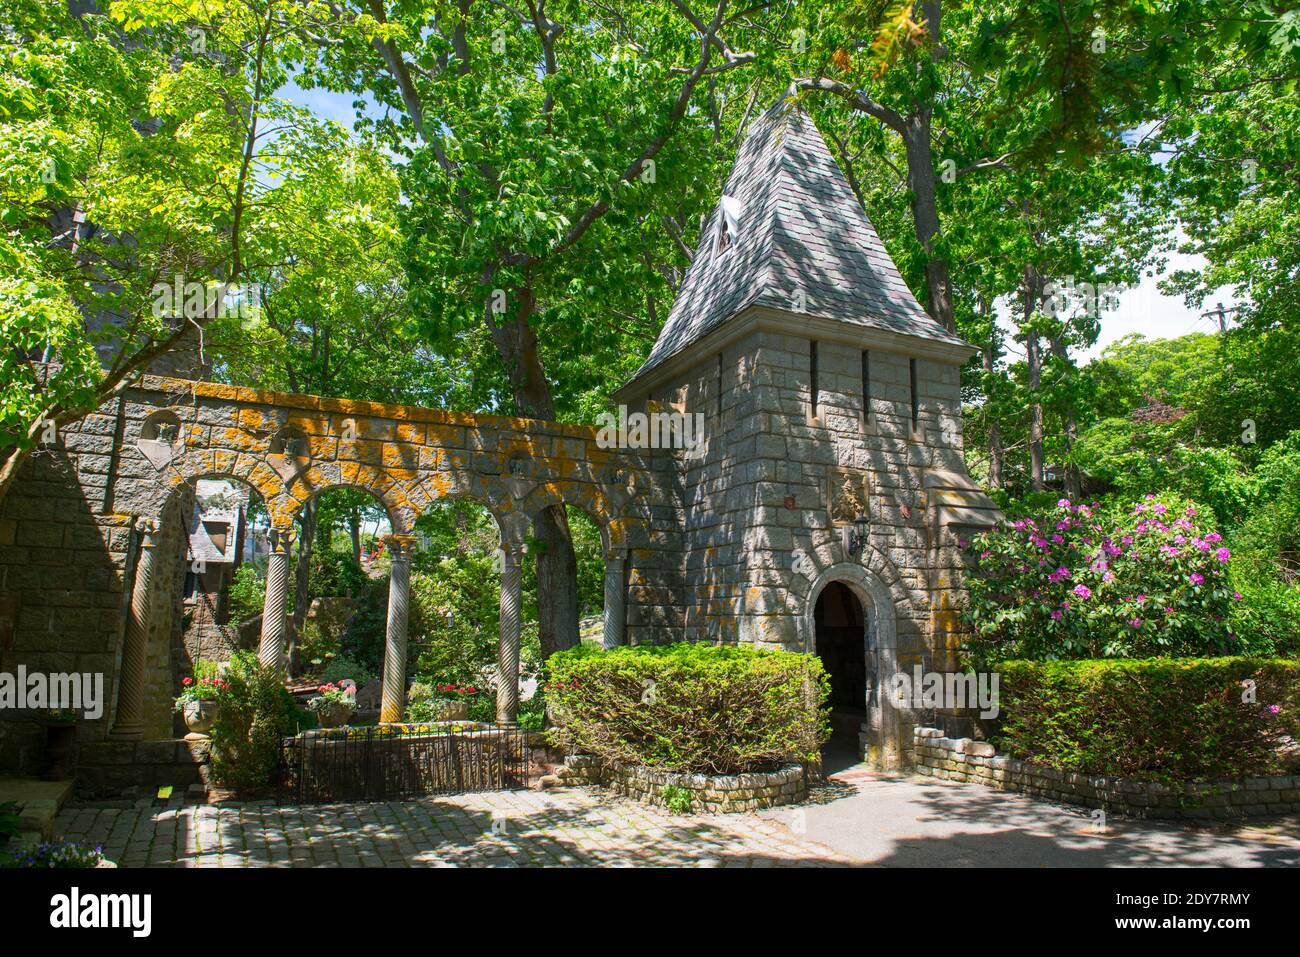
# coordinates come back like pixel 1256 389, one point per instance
pixel 400 547
pixel 148 528
pixel 281 537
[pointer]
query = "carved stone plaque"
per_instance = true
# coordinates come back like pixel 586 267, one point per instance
pixel 849 495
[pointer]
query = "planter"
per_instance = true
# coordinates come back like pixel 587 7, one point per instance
pixel 334 715
pixel 200 716
pixel 60 739
pixel 454 711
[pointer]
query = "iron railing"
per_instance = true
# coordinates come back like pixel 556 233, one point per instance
pixel 392 762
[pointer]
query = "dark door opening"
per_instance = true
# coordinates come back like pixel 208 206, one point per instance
pixel 841 643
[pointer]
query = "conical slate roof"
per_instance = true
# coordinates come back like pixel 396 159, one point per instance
pixel 794 224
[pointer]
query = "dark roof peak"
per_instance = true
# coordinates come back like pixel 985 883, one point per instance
pixel 788 233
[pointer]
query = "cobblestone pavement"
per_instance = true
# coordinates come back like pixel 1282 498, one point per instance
pixel 564 827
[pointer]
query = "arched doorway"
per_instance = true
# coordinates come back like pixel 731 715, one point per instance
pixel 840 640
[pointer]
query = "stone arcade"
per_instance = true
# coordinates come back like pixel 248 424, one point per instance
pixel 819 510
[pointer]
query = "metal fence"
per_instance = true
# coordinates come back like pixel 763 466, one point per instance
pixel 381 764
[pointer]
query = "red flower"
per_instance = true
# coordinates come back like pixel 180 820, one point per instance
pixel 188 681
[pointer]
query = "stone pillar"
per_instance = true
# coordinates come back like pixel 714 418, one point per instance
pixel 130 688
pixel 615 633
pixel 508 645
pixel 271 649
pixel 399 601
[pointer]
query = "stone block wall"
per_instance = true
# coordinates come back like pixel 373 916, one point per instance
pixel 68 548
pixel 977 762
pixel 711 793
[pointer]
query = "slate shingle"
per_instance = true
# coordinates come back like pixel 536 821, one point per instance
pixel 801 228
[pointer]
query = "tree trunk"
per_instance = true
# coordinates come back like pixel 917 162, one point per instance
pixel 354 526
pixel 557 565
pixel 1034 358
pixel 1073 479
pixel 302 574
pixel 995 428
pixel 925 216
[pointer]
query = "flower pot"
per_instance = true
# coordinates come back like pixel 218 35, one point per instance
pixel 454 711
pixel 334 715
pixel 200 716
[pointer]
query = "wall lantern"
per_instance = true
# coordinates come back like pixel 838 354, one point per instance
pixel 855 536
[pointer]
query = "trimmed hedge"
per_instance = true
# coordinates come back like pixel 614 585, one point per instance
pixel 689 707
pixel 1161 719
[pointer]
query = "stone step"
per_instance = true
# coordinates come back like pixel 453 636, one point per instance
pixel 40 802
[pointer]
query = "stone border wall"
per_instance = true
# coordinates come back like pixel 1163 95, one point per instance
pixel 711 793
pixel 976 762
pixel 116 768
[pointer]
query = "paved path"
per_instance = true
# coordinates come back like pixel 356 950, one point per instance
pixel 568 826
pixel 860 817
pixel 919 822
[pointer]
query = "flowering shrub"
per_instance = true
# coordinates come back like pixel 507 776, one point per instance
pixel 427 699
pixel 1149 582
pixel 203 689
pixel 1185 719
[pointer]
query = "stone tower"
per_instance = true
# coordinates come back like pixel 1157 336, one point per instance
pixel 824 501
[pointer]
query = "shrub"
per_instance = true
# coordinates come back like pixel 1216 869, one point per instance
pixel 335 572
pixel 452 629
pixel 689 707
pixel 256 713
pixel 1164 719
pixel 247 593
pixel 1149 582
pixel 342 668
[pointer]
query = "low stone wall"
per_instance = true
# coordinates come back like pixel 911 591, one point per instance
pixel 116 768
pixel 712 793
pixel 962 759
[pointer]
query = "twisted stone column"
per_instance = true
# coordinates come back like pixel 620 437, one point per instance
pixel 271 649
pixel 399 600
pixel 130 688
pixel 615 632
pixel 508 645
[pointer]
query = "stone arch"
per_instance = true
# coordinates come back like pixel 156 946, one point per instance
pixel 880 612
pixel 585 496
pixel 424 493
pixel 400 516
pixel 203 463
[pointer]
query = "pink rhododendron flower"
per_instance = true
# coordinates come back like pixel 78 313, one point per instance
pixel 1222 554
pixel 1196 578
pixel 1082 591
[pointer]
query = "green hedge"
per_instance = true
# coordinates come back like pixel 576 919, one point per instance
pixel 689 707
pixel 1162 719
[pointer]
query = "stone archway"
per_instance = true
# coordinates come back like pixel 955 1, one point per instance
pixel 879 740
